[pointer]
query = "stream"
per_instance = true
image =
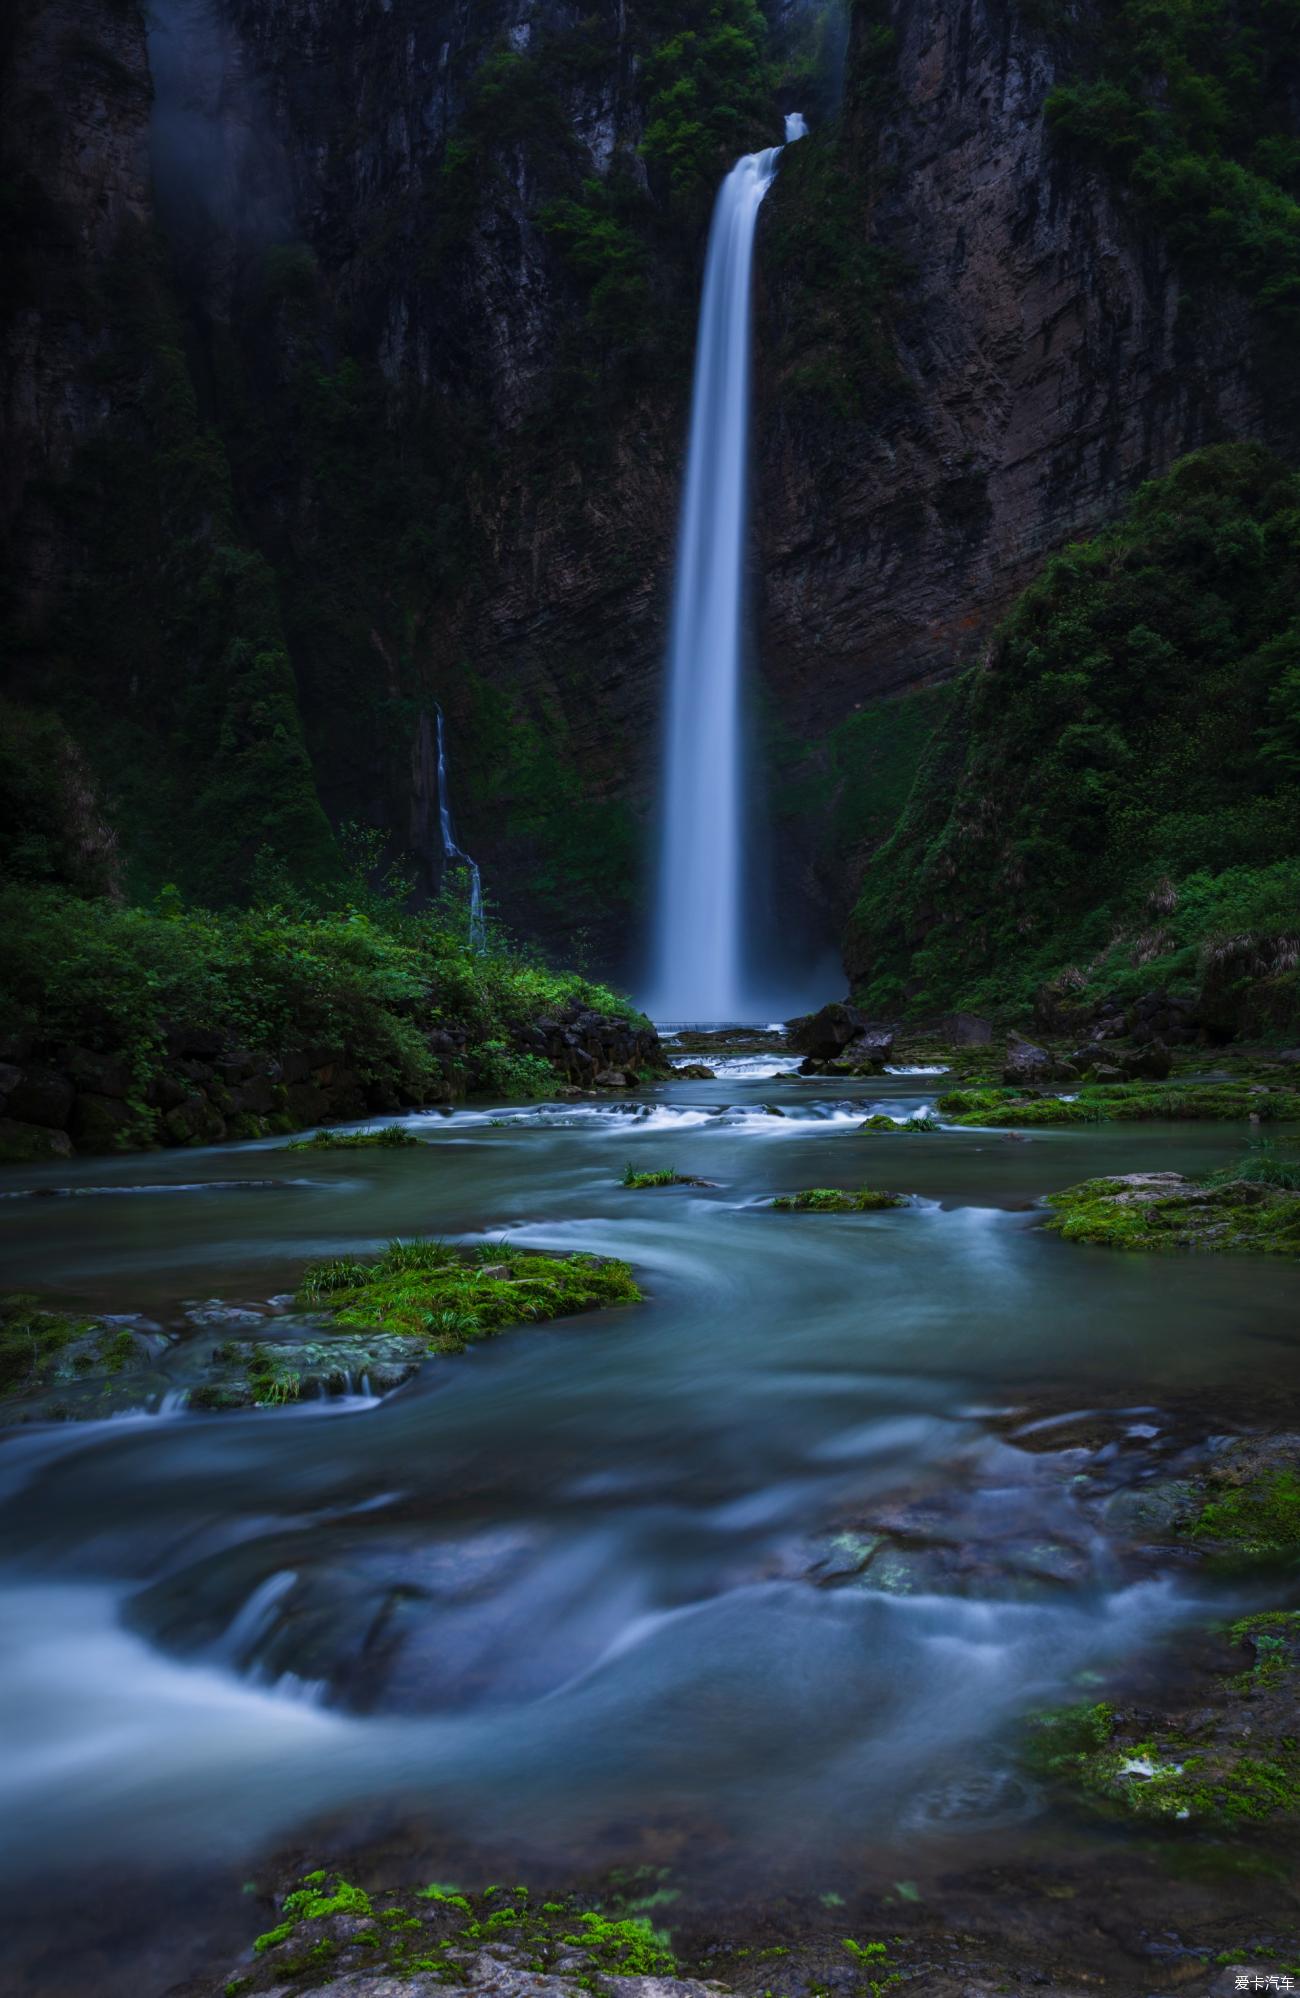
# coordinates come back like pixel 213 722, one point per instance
pixel 563 1601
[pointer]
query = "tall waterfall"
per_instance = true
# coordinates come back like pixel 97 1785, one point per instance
pixel 453 855
pixel 698 967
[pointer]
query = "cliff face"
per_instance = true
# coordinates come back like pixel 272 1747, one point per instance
pixel 1047 361
pixel 435 303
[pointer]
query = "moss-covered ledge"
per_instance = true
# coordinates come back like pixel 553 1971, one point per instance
pixel 1165 1211
pixel 451 1299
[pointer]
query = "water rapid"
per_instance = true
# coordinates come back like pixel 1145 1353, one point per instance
pixel 699 969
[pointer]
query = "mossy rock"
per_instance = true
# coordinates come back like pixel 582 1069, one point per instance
pixel 1126 1103
pixel 830 1200
pixel 392 1137
pixel 431 1291
pixel 1232 1763
pixel 1164 1211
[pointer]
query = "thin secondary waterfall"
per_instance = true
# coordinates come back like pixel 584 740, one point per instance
pixel 453 855
pixel 698 969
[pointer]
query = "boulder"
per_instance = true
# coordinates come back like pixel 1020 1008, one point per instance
pixel 97 1074
pixel 103 1123
pixel 1025 1062
pixel 42 1096
pixel 24 1144
pixel 1150 1062
pixel 194 1122
pixel 614 1078
pixel 825 1034
pixel 966 1030
pixel 694 1071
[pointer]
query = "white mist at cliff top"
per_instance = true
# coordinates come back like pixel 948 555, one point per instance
pixel 698 961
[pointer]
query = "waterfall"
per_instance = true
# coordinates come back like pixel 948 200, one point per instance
pixel 698 968
pixel 453 855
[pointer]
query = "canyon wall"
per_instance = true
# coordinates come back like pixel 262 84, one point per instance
pixel 434 293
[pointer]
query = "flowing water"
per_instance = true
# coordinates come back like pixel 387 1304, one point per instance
pixel 699 971
pixel 453 855
pixel 552 1598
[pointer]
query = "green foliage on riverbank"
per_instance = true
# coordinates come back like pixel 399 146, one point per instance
pixel 451 1300
pixel 1190 104
pixel 106 976
pixel 1111 804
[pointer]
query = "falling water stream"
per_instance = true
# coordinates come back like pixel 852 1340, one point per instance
pixel 454 856
pixel 699 968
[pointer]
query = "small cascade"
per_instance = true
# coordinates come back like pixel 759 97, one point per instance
pixel 450 854
pixel 698 969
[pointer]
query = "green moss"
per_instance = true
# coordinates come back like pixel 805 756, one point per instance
pixel 830 1200
pixel 662 1176
pixel 426 1289
pixel 878 1121
pixel 1164 1212
pixel 1259 1518
pixel 311 1905
pixel 391 1138
pixel 1133 1103
pixel 33 1341
pixel 626 1947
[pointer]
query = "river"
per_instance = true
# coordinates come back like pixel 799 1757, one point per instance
pixel 563 1600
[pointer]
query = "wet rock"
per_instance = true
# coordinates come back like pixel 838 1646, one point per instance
pixel 825 1034
pixel 41 1096
pixel 1026 1062
pixel 1151 1062
pixel 103 1124
pixel 27 1144
pixel 694 1071
pixel 966 1030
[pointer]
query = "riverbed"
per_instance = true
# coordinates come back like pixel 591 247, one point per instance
pixel 570 1600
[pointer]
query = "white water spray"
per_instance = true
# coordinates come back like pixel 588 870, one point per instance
pixel 453 855
pixel 698 971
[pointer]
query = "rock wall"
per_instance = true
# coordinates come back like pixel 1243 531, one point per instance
pixel 1035 356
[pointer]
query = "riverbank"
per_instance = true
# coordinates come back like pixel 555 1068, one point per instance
pixel 123 1028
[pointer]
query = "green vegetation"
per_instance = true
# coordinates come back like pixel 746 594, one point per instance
pixel 1133 1102
pixel 1260 1518
pixel 450 1300
pixel 392 1137
pixel 829 1200
pixel 879 1121
pixel 1110 803
pixel 710 96
pixel 360 989
pixel 35 1345
pixel 664 1176
pixel 404 1933
pixel 1219 1766
pixel 1189 104
pixel 1164 1211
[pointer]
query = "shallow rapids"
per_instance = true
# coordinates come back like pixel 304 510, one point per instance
pixel 569 1591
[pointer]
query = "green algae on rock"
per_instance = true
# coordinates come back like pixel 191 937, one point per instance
pixel 1231 1762
pixel 1125 1102
pixel 391 1137
pixel 434 1291
pixel 327 1920
pixel 1163 1210
pixel 831 1200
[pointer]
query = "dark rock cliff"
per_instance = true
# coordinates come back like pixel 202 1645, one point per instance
pixel 970 350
